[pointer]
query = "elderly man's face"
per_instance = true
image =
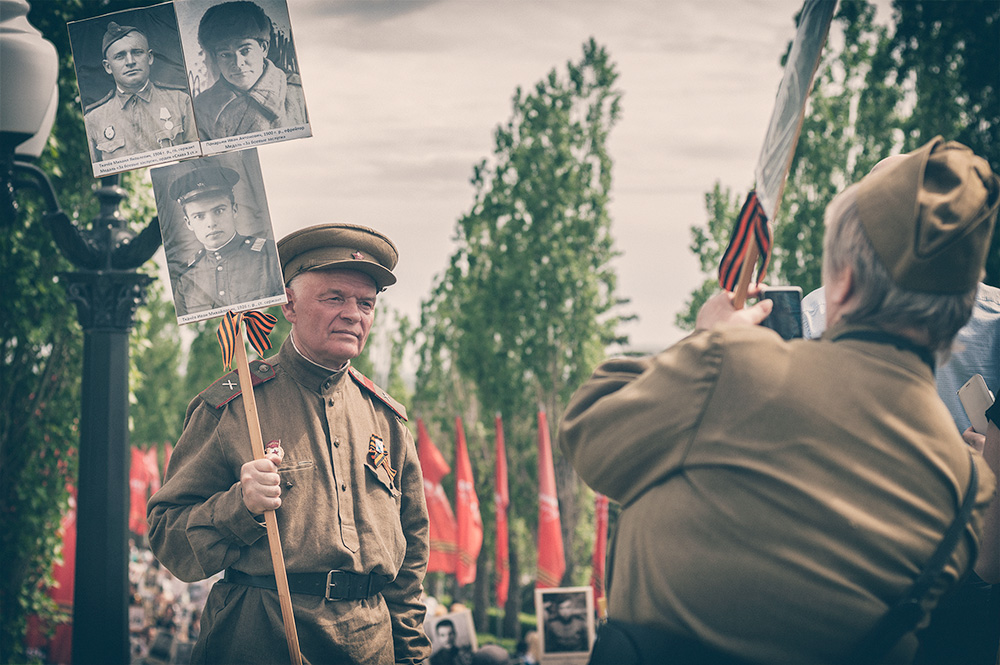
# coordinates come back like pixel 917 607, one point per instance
pixel 212 219
pixel 331 312
pixel 128 60
pixel 241 62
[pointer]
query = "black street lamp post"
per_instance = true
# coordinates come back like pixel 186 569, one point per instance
pixel 106 289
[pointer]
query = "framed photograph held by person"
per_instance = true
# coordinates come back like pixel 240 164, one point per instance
pixel 217 236
pixel 131 74
pixel 453 638
pixel 565 623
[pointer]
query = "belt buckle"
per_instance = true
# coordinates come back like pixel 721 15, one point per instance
pixel 330 585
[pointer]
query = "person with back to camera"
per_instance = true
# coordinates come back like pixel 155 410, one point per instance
pixel 342 476
pixel 780 498
pixel 252 94
pixel 137 115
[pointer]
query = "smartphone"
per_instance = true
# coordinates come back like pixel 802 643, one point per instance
pixel 976 398
pixel 786 316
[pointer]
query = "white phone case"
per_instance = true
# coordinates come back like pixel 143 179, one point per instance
pixel 976 398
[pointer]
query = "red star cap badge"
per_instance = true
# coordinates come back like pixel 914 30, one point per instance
pixel 358 255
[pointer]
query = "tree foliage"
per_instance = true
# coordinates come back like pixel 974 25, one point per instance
pixel 41 367
pixel 526 306
pixel 880 89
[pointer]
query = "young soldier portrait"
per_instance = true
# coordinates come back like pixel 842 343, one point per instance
pixel 136 112
pixel 220 255
pixel 248 82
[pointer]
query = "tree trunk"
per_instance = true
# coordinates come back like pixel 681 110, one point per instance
pixel 481 592
pixel 511 624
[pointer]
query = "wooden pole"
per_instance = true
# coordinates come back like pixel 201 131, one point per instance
pixel 270 519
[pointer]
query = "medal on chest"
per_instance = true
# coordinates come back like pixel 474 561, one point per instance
pixel 378 453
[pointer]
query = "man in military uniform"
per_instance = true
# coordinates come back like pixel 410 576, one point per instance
pixel 780 496
pixel 344 479
pixel 137 115
pixel 230 268
pixel 252 94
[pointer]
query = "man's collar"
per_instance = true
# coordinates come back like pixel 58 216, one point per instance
pixel 143 93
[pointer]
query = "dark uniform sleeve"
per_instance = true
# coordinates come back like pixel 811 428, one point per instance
pixel 402 596
pixel 197 520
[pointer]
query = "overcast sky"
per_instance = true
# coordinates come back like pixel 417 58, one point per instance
pixel 404 97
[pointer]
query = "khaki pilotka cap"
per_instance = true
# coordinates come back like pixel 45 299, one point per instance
pixel 114 33
pixel 929 216
pixel 345 246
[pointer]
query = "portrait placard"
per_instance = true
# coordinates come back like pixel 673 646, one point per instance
pixel 217 236
pixel 453 638
pixel 243 73
pixel 566 626
pixel 137 108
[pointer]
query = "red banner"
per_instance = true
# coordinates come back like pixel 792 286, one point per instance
pixel 470 522
pixel 443 538
pixel 600 546
pixel 138 482
pixel 502 501
pixel 551 558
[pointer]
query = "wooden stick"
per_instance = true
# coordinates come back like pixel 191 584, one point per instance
pixel 746 274
pixel 270 519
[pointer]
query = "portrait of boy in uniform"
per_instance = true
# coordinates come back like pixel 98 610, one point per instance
pixel 244 73
pixel 137 108
pixel 217 236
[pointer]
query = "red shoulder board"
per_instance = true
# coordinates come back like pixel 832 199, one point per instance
pixel 226 389
pixel 382 395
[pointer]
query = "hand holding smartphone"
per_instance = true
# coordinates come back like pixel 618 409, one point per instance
pixel 786 315
pixel 976 398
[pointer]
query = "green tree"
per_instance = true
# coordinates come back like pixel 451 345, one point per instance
pixel 41 366
pixel 883 90
pixel 526 306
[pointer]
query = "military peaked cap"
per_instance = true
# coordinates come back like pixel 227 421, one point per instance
pixel 202 181
pixel 348 246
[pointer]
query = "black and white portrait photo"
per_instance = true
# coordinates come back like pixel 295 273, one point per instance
pixel 453 638
pixel 133 88
pixel 243 72
pixel 217 236
pixel 566 623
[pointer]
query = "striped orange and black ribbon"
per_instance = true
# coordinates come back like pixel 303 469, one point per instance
pixel 751 224
pixel 258 324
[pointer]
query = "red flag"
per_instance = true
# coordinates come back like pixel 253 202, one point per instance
pixel 551 559
pixel 138 480
pixel 470 523
pixel 443 540
pixel 153 469
pixel 502 501
pixel 167 450
pixel 600 546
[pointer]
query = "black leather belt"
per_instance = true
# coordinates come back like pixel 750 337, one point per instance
pixel 333 585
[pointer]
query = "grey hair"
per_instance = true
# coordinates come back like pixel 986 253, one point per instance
pixel 881 303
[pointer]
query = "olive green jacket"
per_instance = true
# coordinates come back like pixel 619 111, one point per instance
pixel 338 512
pixel 777 496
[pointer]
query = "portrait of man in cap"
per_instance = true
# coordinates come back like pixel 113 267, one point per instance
pixel 782 498
pixel 344 480
pixel 136 114
pixel 249 81
pixel 225 266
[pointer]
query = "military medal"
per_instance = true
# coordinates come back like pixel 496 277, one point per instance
pixel 165 117
pixel 274 448
pixel 109 132
pixel 378 453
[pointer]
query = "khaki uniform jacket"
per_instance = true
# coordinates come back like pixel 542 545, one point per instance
pixel 777 496
pixel 338 512
pixel 243 270
pixel 275 101
pixel 125 124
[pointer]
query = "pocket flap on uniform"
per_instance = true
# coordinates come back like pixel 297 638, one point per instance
pixel 383 477
pixel 111 144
